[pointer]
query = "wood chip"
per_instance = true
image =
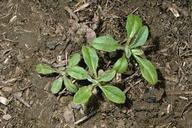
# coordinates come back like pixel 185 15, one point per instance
pixel 174 10
pixel 13 19
pixel 12 80
pixel 4 100
pixel 168 108
pixel 7 89
pixel 7 117
pixel 183 98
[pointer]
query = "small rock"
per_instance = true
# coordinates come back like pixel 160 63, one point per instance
pixel 51 45
pixel 7 117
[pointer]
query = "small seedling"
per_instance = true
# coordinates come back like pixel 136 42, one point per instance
pixel 72 69
pixel 101 80
pixel 137 35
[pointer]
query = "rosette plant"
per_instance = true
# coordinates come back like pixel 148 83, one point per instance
pixel 100 80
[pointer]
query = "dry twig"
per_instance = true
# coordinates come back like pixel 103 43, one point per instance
pixel 85 118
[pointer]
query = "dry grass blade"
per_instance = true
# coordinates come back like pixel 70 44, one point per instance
pixel 82 7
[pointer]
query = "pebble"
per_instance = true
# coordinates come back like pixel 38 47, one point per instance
pixel 7 117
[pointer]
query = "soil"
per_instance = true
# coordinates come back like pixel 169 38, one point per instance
pixel 34 31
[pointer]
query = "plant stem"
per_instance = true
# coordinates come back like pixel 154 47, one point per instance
pixel 62 73
pixel 121 48
pixel 128 41
pixel 92 80
pixel 95 74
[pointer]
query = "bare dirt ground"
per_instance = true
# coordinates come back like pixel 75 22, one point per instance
pixel 34 31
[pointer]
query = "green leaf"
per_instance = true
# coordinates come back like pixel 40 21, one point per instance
pixel 69 85
pixel 141 37
pixel 74 60
pixel 77 72
pixel 114 94
pixel 82 95
pixel 121 65
pixel 127 52
pixel 56 85
pixel 133 25
pixel 148 70
pixel 138 52
pixel 106 76
pixel 91 59
pixel 44 69
pixel 105 43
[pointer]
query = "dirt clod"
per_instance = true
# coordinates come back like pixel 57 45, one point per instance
pixel 69 116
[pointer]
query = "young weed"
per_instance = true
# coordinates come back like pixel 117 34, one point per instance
pixel 137 35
